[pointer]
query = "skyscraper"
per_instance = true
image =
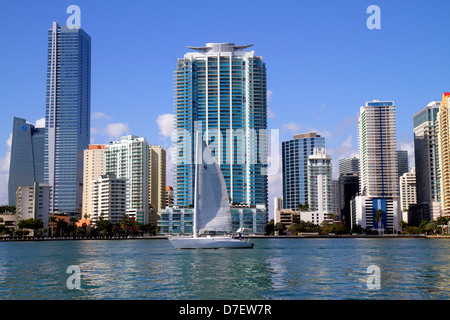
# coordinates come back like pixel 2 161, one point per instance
pixel 426 162
pixel 443 138
pixel 402 162
pixel 320 182
pixel 128 159
pixel 379 182
pixel 295 155
pixel 220 90
pixel 67 116
pixel 27 157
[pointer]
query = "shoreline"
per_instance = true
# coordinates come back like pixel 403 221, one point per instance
pixel 420 236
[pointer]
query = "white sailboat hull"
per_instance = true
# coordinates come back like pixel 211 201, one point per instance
pixel 208 243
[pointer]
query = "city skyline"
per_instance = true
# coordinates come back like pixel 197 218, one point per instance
pixel 318 99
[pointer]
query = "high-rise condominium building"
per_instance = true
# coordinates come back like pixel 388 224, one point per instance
pixel 220 90
pixel 128 159
pixel 33 202
pixel 108 198
pixel 295 155
pixel 408 193
pixel 27 157
pixel 157 181
pixel 427 162
pixel 379 184
pixel 93 168
pixel 443 138
pixel 67 116
pixel 320 182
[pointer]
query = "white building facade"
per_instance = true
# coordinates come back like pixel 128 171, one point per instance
pixel 109 198
pixel 129 159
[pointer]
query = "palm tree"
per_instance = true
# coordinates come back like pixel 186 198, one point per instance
pixel 402 224
pixel 378 219
pixel 52 220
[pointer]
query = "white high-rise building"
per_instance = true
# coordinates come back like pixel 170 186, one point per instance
pixel 320 182
pixel 379 184
pixel 108 198
pixel 129 159
pixel 408 193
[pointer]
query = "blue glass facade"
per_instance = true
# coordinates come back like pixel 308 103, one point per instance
pixel 67 117
pixel 295 155
pixel 27 157
pixel 221 91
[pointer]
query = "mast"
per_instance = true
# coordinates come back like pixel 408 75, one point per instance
pixel 196 162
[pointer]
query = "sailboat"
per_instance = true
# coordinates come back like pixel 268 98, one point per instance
pixel 212 212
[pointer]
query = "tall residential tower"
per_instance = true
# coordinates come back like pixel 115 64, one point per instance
pixel 379 182
pixel 220 90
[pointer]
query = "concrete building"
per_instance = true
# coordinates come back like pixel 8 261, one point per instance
pixel 129 159
pixel 156 181
pixel 109 198
pixel 320 183
pixel 408 192
pixel 443 139
pixel 33 202
pixel 93 168
pixel 169 196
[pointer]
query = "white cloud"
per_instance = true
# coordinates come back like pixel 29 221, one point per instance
pixel 270 113
pixel 291 127
pixel 116 130
pixel 100 115
pixel 269 95
pixel 165 124
pixel 40 123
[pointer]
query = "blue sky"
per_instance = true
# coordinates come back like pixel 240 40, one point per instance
pixel 323 63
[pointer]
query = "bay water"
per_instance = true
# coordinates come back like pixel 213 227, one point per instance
pixel 289 269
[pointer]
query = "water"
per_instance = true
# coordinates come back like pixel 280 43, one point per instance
pixel 275 269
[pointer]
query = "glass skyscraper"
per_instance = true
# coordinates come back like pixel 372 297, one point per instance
pixel 27 157
pixel 295 155
pixel 67 116
pixel 220 90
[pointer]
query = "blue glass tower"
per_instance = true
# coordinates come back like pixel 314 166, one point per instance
pixel 220 90
pixel 67 117
pixel 295 155
pixel 27 157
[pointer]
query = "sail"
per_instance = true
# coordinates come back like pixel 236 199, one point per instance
pixel 213 208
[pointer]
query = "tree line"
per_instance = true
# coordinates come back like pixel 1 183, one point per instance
pixel 59 227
